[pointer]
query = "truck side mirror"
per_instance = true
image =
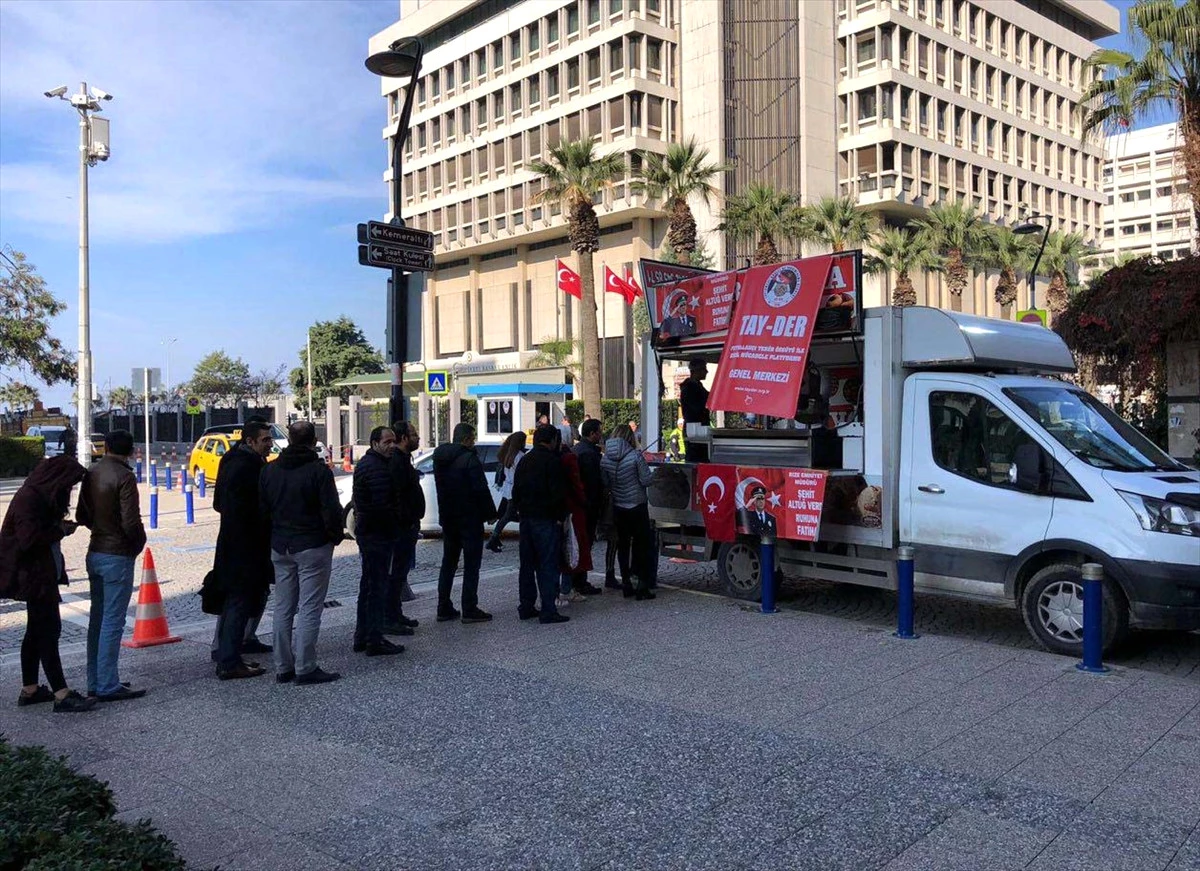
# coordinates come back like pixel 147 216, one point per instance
pixel 1027 468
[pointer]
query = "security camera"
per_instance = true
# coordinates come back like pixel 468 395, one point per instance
pixel 57 92
pixel 101 95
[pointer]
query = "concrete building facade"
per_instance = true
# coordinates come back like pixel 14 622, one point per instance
pixel 898 103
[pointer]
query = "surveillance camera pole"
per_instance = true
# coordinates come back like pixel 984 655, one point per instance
pixel 84 389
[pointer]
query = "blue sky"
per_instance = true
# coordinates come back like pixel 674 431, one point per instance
pixel 246 144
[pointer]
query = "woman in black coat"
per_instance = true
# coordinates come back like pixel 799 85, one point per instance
pixel 30 572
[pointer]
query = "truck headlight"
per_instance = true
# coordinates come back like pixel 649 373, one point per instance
pixel 1159 515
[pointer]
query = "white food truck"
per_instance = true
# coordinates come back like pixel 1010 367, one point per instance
pixel 959 436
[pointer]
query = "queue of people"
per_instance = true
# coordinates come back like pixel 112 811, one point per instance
pixel 280 523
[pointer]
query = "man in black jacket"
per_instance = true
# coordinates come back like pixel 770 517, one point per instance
pixel 411 508
pixel 588 452
pixel 298 498
pixel 376 528
pixel 464 505
pixel 242 568
pixel 540 495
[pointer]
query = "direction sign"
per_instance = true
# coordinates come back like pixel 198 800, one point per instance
pixel 437 383
pixel 389 257
pixel 394 234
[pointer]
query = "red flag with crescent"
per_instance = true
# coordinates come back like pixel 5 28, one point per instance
pixel 614 284
pixel 716 490
pixel 569 281
pixel 632 284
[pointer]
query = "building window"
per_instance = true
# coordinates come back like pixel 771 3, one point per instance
pixel 514 48
pixel 594 125
pixel 593 65
pixel 593 12
pixel 616 116
pixel 498 107
pixel 615 7
pixel 654 114
pixel 552 85
pixel 572 20
pixel 867 107
pixel 498 55
pixel 866 49
pixel 533 37
pixel 654 52
pixel 535 92
pixel 616 59
pixel 572 75
pixel 534 143
pixel 552 29
pixel 450 78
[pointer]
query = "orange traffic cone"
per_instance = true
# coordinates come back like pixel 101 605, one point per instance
pixel 150 627
pixel 347 466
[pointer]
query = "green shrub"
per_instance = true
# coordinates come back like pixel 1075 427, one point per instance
pixel 19 454
pixel 54 819
pixel 614 412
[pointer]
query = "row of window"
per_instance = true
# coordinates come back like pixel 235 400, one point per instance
pixel 1161 225
pixel 983 29
pixel 953 70
pixel 549 87
pixel 549 33
pixel 635 114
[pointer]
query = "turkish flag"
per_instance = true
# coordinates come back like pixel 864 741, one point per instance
pixel 632 284
pixel 716 489
pixel 569 281
pixel 613 284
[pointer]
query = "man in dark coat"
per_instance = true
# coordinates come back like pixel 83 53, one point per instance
pixel 693 408
pixel 540 493
pixel 464 506
pixel 30 572
pixel 410 499
pixel 587 450
pixel 242 568
pixel 376 529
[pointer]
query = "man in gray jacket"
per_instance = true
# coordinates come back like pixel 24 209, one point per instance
pixel 626 475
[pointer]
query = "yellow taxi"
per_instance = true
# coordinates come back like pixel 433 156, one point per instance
pixel 210 447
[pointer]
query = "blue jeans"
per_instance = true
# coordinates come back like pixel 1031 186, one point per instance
pixel 111 579
pixel 540 543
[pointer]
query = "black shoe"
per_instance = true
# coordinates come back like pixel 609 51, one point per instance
pixel 587 588
pixel 121 695
pixel 397 629
pixel 91 693
pixel 256 646
pixel 643 595
pixel 494 545
pixel 384 648
pixel 407 621
pixel 476 615
pixel 445 616
pixel 214 656
pixel 627 590
pixel 407 594
pixel 39 696
pixel 611 582
pixel 359 646
pixel 317 676
pixel 285 677
pixel 553 618
pixel 528 615
pixel 240 671
pixel 73 703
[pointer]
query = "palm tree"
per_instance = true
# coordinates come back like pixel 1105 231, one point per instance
pixel 836 223
pixel 674 178
pixel 763 215
pixel 1061 260
pixel 1008 252
pixel 575 175
pixel 120 397
pixel 1165 78
pixel 902 252
pixel 956 231
pixel 555 353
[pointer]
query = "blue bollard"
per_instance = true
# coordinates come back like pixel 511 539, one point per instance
pixel 189 507
pixel 766 560
pixel 154 508
pixel 201 483
pixel 170 483
pixel 1093 619
pixel 153 473
pixel 138 470
pixel 904 593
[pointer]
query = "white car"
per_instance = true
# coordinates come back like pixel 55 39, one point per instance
pixel 52 435
pixel 423 461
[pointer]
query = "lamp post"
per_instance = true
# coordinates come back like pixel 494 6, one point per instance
pixel 402 59
pixel 1028 228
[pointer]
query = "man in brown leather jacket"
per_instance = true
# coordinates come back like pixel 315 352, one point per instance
pixel 108 506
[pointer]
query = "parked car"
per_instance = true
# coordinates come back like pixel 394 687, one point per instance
pixel 278 435
pixel 52 435
pixel 423 461
pixel 209 448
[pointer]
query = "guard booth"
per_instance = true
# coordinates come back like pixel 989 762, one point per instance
pixel 503 409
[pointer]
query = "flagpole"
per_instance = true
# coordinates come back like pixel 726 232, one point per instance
pixel 603 333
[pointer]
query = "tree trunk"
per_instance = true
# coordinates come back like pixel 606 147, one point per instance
pixel 766 252
pixel 1006 288
pixel 590 337
pixel 681 232
pixel 905 294
pixel 1056 294
pixel 956 273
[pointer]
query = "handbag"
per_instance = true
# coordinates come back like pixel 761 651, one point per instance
pixel 570 546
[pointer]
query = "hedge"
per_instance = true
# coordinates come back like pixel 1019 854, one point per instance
pixel 614 412
pixel 54 819
pixel 19 454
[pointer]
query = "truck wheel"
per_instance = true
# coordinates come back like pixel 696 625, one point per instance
pixel 348 519
pixel 1052 605
pixel 739 570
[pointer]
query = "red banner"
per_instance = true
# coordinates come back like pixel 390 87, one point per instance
pixel 841 304
pixel 762 365
pixel 780 503
pixel 701 304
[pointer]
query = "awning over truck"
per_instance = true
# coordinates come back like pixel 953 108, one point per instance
pixel 936 337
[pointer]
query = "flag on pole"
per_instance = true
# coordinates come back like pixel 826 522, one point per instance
pixel 613 284
pixel 569 281
pixel 633 285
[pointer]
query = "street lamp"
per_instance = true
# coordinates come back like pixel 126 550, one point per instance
pixel 402 59
pixel 1027 228
pixel 93 147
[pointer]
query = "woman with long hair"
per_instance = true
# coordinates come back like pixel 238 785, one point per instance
pixel 626 475
pixel 507 458
pixel 31 571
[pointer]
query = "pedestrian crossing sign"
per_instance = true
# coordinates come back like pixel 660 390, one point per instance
pixel 437 383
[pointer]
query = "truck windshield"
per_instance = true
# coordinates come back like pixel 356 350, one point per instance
pixel 1090 430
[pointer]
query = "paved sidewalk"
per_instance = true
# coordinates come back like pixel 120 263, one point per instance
pixel 687 733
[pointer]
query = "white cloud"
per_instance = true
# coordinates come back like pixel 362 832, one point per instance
pixel 226 116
